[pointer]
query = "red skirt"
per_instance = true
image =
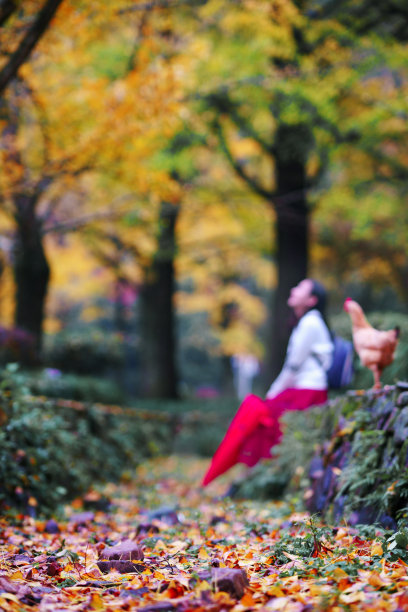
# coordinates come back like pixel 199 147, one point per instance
pixel 255 429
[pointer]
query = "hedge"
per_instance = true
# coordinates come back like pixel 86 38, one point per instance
pixel 53 450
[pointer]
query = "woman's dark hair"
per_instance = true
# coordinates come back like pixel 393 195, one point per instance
pixel 320 292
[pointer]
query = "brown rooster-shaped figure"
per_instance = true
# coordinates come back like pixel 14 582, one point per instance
pixel 375 348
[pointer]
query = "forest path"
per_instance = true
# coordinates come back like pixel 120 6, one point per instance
pixel 201 552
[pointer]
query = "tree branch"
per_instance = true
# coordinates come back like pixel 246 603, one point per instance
pixel 118 243
pixel 400 171
pixel 28 43
pixel 160 4
pixel 43 120
pixel 279 201
pixel 239 169
pixel 222 103
pixel 7 8
pixel 75 224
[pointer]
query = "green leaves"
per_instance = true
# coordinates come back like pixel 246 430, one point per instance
pixel 92 444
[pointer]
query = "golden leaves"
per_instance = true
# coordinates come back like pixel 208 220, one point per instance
pixel 353 573
pixel 376 549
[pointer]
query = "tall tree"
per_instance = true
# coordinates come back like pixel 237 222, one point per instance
pixel 285 76
pixel 39 22
pixel 366 242
pixel 157 322
pixel 44 158
pixel 282 93
pixel 20 198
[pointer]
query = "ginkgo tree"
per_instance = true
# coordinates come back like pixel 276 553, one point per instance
pixel 274 90
pixel 361 218
pixel 66 117
pixel 23 25
pixel 283 77
pixel 275 118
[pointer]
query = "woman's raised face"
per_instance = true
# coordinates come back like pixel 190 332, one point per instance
pixel 301 298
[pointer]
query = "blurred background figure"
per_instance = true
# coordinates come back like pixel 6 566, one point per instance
pixel 245 367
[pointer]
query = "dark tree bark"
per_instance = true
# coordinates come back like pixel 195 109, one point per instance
pixel 158 365
pixel 7 8
pixel 31 271
pixel 27 44
pixel 30 266
pixel 292 228
pixel 229 311
pixel 290 151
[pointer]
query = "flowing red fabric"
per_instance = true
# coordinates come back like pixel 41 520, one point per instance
pixel 255 429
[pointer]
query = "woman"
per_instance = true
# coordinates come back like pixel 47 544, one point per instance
pixel 301 383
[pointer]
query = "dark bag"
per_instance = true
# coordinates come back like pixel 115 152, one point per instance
pixel 341 371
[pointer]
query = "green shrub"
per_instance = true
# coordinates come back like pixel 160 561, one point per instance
pixel 201 423
pixel 52 451
pixel 54 383
pixel 84 353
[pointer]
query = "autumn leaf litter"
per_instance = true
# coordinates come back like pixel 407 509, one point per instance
pixel 189 549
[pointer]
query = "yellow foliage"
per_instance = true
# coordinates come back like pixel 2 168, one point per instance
pixel 194 302
pixel 378 268
pixel 239 339
pixel 7 290
pixel 92 312
pixel 250 308
pixel 244 147
pixel 76 275
pixel 52 324
pixel 247 22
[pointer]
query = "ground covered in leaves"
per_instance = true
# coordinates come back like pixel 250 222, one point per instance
pixel 163 543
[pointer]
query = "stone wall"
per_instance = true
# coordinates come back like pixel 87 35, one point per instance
pixel 361 473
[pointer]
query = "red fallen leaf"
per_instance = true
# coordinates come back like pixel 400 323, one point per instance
pixel 319 548
pixel 358 541
pixel 100 546
pixel 54 568
pixel 402 601
pixel 175 590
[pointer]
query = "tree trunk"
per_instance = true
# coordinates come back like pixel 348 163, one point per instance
pixel 158 348
pixel 292 225
pixel 28 43
pixel 31 272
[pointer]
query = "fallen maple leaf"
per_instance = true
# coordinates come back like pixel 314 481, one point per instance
pixel 376 549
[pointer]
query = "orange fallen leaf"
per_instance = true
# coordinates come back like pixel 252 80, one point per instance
pixel 16 575
pixel 247 600
pixel 340 574
pixel 96 602
pixel 174 590
pixel 376 549
pixel 10 597
pixel 159 575
pixel 275 591
pixel 203 554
